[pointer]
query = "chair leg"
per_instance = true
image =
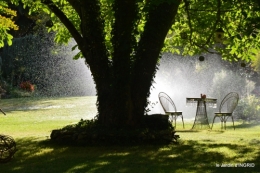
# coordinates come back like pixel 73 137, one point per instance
pixel 213 122
pixel 233 122
pixel 182 121
pixel 175 121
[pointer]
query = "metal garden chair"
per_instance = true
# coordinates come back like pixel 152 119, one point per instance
pixel 169 107
pixel 226 108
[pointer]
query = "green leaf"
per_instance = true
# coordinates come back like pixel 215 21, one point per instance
pixel 74 47
pixel 77 56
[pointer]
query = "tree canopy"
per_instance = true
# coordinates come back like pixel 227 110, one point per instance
pixel 197 22
pixel 192 32
pixel 6 23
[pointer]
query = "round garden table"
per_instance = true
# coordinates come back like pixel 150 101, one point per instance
pixel 201 117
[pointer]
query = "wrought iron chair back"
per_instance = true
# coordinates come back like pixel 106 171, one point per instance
pixel 169 107
pixel 229 103
pixel 226 108
pixel 167 103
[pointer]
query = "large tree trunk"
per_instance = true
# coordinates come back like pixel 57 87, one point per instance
pixel 122 95
pixel 125 102
pixel 160 19
pixel 123 82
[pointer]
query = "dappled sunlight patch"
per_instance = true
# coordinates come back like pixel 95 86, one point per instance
pixel 164 149
pixel 117 154
pixel 247 154
pixel 78 168
pixel 228 152
pixel 17 168
pixel 173 156
pixel 101 163
pixel 43 151
pixel 233 152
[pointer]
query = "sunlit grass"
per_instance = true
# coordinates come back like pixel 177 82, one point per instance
pixel 38 116
pixel 30 122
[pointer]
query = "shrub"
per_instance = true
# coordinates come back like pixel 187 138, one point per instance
pixel 156 129
pixel 249 108
pixel 27 86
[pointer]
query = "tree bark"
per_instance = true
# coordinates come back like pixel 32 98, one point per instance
pixel 124 102
pixel 123 82
pixel 123 41
pixel 96 56
pixel 160 19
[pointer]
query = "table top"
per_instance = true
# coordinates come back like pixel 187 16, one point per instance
pixel 211 102
pixel 200 99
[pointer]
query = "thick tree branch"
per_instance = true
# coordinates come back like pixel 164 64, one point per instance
pixel 216 22
pixel 123 40
pixel 207 49
pixel 122 36
pixel 159 20
pixel 189 19
pixel 213 30
pixel 63 18
pixel 93 34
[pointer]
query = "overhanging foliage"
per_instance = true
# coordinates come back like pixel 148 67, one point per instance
pixel 6 23
pixel 193 29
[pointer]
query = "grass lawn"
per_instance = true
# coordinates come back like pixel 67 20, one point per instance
pixel 29 121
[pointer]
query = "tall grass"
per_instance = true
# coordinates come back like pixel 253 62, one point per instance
pixel 30 122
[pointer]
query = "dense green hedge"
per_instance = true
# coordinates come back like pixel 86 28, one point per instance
pixel 248 108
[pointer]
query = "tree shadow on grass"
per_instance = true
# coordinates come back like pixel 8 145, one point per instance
pixel 35 156
pixel 247 125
